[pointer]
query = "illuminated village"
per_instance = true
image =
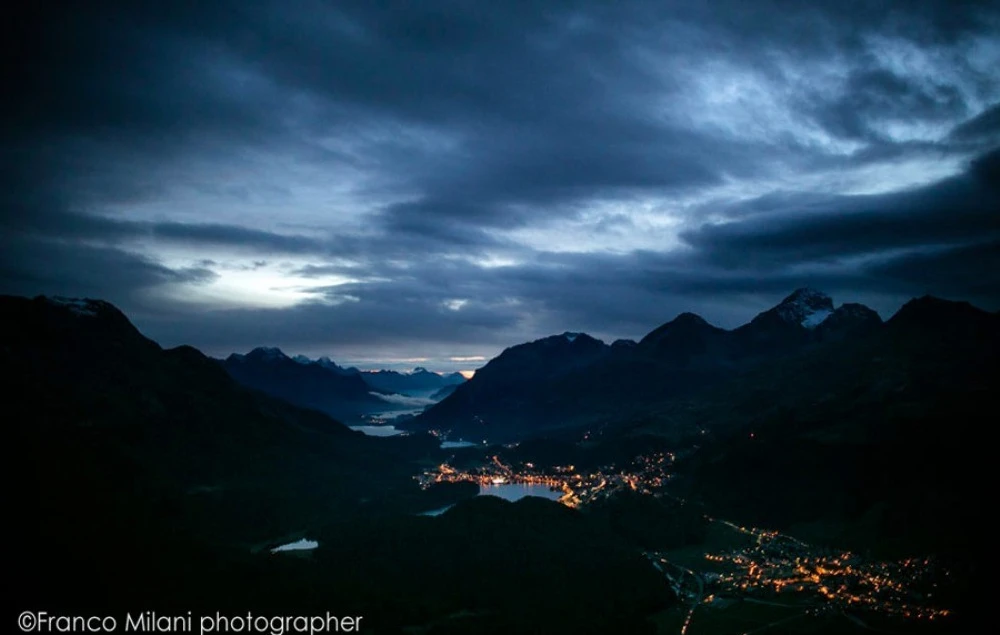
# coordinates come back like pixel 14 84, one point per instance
pixel 761 566
pixel 779 570
pixel 645 474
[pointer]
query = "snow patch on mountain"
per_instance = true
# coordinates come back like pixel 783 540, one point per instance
pixel 805 307
pixel 815 319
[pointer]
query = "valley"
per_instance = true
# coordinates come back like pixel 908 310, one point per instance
pixel 792 493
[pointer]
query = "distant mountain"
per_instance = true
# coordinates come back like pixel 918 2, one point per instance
pixel 781 329
pixel 804 307
pixel 537 361
pixel 420 383
pixel 619 345
pixel 574 381
pixel 687 339
pixel 328 364
pixel 320 385
pixel 944 317
pixel 511 387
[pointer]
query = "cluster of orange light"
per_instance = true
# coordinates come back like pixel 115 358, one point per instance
pixel 768 567
pixel 645 474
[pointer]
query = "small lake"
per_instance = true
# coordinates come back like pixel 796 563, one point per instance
pixel 391 431
pixel 378 431
pixel 507 491
pixel 298 545
pixel 389 415
pixel 458 444
pixel 517 491
pixel 436 512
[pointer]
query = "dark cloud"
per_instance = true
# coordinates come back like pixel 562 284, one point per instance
pixel 965 271
pixel 69 225
pixel 29 268
pixel 479 173
pixel 983 127
pixel 879 96
pixel 781 231
pixel 228 235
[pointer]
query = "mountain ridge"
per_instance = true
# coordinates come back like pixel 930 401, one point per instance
pixel 526 391
pixel 268 369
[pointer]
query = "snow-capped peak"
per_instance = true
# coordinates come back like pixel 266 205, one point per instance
pixel 806 307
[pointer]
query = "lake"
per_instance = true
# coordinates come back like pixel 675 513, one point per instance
pixel 517 491
pixel 378 431
pixel 391 431
pixel 298 545
pixel 436 512
pixel 506 491
pixel 458 444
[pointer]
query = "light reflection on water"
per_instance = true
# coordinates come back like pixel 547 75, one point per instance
pixel 378 431
pixel 517 491
pixel 436 512
pixel 298 545
pixel 507 491
pixel 391 431
pixel 458 444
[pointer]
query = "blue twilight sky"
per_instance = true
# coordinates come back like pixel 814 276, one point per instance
pixel 404 183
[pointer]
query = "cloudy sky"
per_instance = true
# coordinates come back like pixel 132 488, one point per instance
pixel 387 182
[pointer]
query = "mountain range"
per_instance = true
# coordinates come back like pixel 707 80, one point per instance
pixel 824 422
pixel 149 476
pixel 874 443
pixel 344 396
pixel 419 383
pixel 574 381
pixel 347 394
